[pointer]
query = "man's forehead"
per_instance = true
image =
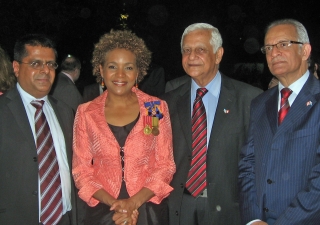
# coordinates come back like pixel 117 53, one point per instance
pixel 39 50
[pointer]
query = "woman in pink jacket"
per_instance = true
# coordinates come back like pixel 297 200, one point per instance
pixel 123 159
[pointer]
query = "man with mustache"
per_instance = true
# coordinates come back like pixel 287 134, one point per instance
pixel 280 164
pixel 35 142
pixel 207 139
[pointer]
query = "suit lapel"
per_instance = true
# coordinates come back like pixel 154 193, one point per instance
pixel 62 119
pixel 184 111
pixel 20 115
pixel 224 109
pixel 271 107
pixel 302 104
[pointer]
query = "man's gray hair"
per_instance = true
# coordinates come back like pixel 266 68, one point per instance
pixel 301 30
pixel 216 39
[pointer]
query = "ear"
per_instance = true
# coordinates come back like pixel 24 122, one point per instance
pixel 16 68
pixel 219 55
pixel 306 51
pixel 101 70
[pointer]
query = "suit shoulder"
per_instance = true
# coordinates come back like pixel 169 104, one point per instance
pixel 265 95
pixel 59 103
pixel 245 88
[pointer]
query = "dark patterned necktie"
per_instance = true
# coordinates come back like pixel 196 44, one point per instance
pixel 197 182
pixel 284 104
pixel 50 183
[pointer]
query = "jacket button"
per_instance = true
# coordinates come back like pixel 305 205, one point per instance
pixel 35 193
pixel 35 159
pixel 181 185
pixel 177 213
pixel 269 181
pixel 265 209
pixel 189 157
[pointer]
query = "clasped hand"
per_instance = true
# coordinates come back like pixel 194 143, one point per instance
pixel 125 212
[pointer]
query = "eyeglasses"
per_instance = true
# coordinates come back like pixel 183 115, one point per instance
pixel 198 51
pixel 282 45
pixel 38 65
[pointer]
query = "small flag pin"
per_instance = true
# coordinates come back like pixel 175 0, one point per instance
pixel 309 103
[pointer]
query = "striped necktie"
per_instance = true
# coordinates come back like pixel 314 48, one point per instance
pixel 50 183
pixel 284 104
pixel 197 182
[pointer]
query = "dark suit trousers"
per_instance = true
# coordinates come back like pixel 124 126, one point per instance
pixel 194 210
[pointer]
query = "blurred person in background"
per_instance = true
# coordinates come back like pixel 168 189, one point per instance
pixel 64 87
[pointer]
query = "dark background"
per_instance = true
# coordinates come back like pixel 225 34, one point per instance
pixel 76 26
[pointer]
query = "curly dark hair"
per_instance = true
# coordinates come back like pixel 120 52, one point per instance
pixel 7 77
pixel 121 39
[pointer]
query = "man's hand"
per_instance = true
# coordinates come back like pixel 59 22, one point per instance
pixel 259 223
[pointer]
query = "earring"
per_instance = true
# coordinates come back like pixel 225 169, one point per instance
pixel 102 83
pixel 136 82
pixel 103 86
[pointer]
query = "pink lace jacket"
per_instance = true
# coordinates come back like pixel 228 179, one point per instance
pixel 148 159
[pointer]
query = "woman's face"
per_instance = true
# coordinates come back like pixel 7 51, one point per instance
pixel 119 71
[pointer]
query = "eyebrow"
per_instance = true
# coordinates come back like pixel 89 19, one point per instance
pixel 279 41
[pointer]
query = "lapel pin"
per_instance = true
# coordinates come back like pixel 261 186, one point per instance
pixel 309 103
pixel 226 111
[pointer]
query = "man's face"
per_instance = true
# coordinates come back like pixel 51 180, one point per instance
pixel 198 59
pixel 288 64
pixel 37 82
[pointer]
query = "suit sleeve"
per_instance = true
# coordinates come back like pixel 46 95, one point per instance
pixel 305 207
pixel 249 208
pixel 82 168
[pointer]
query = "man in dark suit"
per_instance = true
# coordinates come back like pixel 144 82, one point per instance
pixel 92 91
pixel 280 164
pixel 226 104
pixel 20 188
pixel 173 84
pixel 154 82
pixel 64 87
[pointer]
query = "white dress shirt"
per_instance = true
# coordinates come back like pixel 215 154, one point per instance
pixel 210 100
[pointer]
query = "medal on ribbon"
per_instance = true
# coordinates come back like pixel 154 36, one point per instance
pixel 147 125
pixel 152 118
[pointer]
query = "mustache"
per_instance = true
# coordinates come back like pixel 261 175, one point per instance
pixel 42 76
pixel 278 59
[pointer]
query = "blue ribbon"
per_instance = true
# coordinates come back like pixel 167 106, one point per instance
pixel 154 105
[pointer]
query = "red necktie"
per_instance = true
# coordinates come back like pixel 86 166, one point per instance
pixel 284 104
pixel 197 182
pixel 50 183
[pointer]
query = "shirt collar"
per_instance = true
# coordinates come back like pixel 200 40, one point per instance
pixel 27 98
pixel 68 75
pixel 213 86
pixel 297 85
